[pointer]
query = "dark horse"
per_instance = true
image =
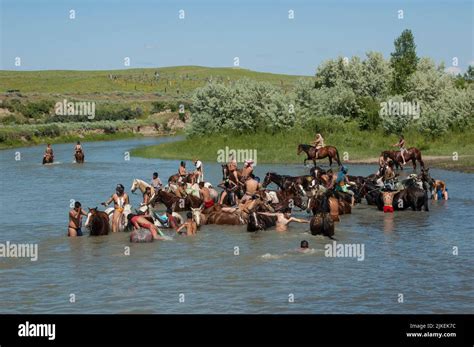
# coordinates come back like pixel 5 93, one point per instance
pixel 79 156
pixel 174 178
pixel 327 151
pixel 47 159
pixel 285 182
pixel 322 223
pixel 412 153
pixel 174 202
pixel 98 222
pixel 259 221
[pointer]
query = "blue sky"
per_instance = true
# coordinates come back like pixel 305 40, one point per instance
pixel 214 32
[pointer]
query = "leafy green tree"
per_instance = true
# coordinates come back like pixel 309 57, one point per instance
pixel 403 61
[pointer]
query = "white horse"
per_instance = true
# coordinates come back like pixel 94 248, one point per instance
pixel 142 185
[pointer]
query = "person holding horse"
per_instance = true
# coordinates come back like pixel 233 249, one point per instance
pixel 198 174
pixel 75 220
pixel 401 145
pixel 387 196
pixel 318 143
pixel 283 219
pixel 205 195
pixel 120 199
pixel 156 182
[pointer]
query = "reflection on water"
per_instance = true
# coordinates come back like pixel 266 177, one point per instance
pixel 405 252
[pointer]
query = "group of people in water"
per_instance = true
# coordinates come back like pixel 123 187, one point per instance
pixel 228 200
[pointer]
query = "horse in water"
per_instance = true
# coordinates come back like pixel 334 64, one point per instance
pixel 173 179
pixel 79 157
pixel 174 202
pixel 141 185
pixel 98 222
pixel 285 182
pixel 412 153
pixel 328 151
pixel 48 159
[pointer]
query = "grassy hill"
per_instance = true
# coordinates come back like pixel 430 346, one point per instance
pixel 172 82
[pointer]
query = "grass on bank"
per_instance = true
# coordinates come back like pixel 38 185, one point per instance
pixel 352 143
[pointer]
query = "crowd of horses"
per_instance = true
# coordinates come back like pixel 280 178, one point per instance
pixel 311 193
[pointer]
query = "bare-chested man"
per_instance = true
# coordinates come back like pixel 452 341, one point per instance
pixel 75 220
pixel 232 166
pixel 49 152
pixel 248 169
pixel 205 194
pixel 190 225
pixel 387 196
pixel 182 172
pixel 120 199
pixel 251 187
pixel 283 219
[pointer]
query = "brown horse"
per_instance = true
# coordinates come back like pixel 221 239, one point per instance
pixel 174 202
pixel 79 156
pixel 47 159
pixel 412 153
pixel 322 224
pixel 226 174
pixel 327 151
pixel 98 222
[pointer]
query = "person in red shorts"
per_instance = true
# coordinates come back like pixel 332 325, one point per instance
pixel 387 196
pixel 140 221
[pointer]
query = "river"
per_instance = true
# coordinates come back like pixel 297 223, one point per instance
pixel 408 253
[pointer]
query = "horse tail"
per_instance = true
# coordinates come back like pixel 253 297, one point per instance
pixel 337 156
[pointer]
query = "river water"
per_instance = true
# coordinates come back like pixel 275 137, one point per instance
pixel 408 253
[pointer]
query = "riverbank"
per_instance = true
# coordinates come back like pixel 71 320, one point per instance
pixel 354 146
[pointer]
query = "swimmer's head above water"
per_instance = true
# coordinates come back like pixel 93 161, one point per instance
pixel 304 244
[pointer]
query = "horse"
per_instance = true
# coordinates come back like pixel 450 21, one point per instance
pixel 285 182
pixel 142 185
pixel 258 221
pixel 174 202
pixel 79 156
pixel 226 174
pixel 411 197
pixel 48 159
pixel 98 222
pixel 127 209
pixel 412 153
pixel 328 151
pixel 322 224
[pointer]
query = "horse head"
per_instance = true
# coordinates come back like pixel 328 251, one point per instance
pixel 134 186
pixel 267 180
pixel 196 215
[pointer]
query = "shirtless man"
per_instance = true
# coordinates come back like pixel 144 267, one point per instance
pixel 49 152
pixel 387 196
pixel 120 199
pixel 401 145
pixel 229 192
pixel 182 172
pixel 205 194
pixel 251 187
pixel 75 220
pixel 283 219
pixel 232 165
pixel 248 169
pixel 139 221
pixel 190 225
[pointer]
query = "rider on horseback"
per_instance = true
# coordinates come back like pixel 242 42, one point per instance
pixel 182 172
pixel 318 143
pixel 232 166
pixel 401 144
pixel 120 199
